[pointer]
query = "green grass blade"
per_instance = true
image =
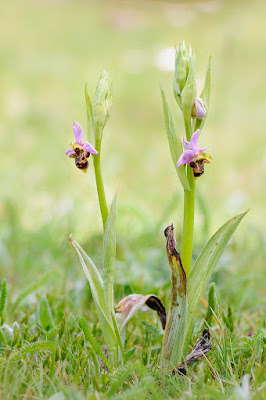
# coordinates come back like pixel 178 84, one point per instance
pixel 206 262
pixel 83 324
pixel 2 297
pixel 45 314
pixel 211 304
pixel 109 252
pixel 30 289
pixel 118 337
pixel 175 143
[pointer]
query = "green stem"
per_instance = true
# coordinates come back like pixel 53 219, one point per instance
pixel 188 222
pixel 99 178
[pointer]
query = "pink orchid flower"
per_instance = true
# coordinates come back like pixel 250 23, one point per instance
pixel 78 146
pixel 192 151
pixel 193 155
pixel 80 150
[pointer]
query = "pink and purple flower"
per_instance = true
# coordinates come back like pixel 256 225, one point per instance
pixel 193 155
pixel 80 150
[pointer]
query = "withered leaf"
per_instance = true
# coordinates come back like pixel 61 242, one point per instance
pixel 174 336
pixel 202 346
pixel 133 302
pixel 174 259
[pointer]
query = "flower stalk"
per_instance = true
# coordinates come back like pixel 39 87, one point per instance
pixel 99 178
pixel 188 222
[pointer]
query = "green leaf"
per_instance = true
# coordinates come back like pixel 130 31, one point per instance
pixel 174 342
pixel 206 262
pixel 175 144
pixel 96 285
pixel 89 269
pixel 205 95
pixel 90 124
pixel 109 252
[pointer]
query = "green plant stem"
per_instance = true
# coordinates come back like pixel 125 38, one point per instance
pixel 188 222
pixel 99 178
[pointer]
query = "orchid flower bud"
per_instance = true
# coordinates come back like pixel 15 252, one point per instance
pixel 102 101
pixel 181 69
pixel 199 109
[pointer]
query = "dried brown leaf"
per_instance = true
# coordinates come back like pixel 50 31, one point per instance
pixel 130 304
pixel 202 347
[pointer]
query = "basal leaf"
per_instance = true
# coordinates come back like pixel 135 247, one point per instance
pixel 174 336
pixel 89 267
pixel 206 262
pixel 104 315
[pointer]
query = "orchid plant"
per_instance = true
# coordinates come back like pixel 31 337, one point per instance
pixel 187 283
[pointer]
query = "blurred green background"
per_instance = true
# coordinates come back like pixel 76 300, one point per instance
pixel 49 49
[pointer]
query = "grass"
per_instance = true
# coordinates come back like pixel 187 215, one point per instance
pixel 44 198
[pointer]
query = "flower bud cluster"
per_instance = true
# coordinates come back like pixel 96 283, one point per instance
pixel 194 108
pixel 102 101
pixel 184 85
pixel 182 65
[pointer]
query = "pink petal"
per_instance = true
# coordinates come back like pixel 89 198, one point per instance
pixel 186 144
pixel 70 151
pixel 194 141
pixel 89 148
pixel 185 158
pixel 78 131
